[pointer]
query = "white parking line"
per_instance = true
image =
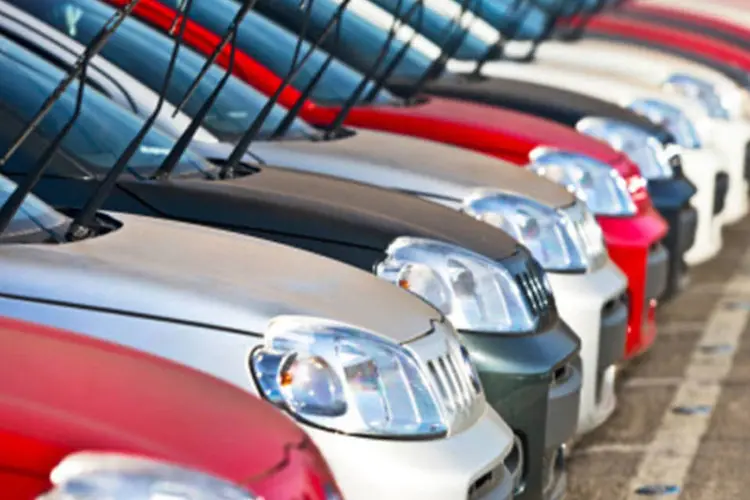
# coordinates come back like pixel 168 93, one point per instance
pixel 668 458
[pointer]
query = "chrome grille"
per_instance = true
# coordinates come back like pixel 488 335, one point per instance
pixel 530 279
pixel 452 383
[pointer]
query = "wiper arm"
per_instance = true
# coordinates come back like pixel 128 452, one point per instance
pixel 437 67
pixel 368 76
pixel 173 158
pixel 294 110
pixel 575 32
pixel 247 138
pixel 81 226
pixel 77 71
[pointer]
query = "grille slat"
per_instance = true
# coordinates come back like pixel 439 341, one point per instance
pixel 452 383
pixel 531 282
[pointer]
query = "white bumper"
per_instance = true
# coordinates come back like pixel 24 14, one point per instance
pixel 701 167
pixel 731 138
pixel 580 299
pixel 442 469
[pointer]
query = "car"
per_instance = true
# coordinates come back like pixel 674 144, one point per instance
pixel 714 182
pixel 80 413
pixel 639 340
pixel 527 351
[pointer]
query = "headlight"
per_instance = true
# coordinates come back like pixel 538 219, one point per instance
pixel 345 379
pixel 94 475
pixel 561 240
pixel 701 91
pixel 597 184
pixel 472 291
pixel 670 117
pixel 642 148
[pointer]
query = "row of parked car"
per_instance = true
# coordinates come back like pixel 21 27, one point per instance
pixel 423 235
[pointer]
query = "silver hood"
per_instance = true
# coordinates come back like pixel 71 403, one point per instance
pixel 185 273
pixel 403 163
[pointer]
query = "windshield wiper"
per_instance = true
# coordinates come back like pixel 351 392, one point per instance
pixel 575 32
pixel 77 72
pixel 297 65
pixel 333 23
pixel 83 223
pixel 379 60
pixel 230 37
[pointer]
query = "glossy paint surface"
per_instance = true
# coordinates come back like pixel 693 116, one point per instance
pixel 86 394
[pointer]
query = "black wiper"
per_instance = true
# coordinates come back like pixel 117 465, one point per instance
pixel 173 158
pixel 449 49
pixel 76 72
pixel 370 74
pixel 82 224
pixel 333 23
pixel 247 138
pixel 575 32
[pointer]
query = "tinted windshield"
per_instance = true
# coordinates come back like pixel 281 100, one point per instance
pixel 144 53
pixel 33 216
pixel 361 41
pixel 437 28
pixel 103 129
pixel 523 20
pixel 274 47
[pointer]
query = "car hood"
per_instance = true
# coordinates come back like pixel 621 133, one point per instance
pixel 83 392
pixel 410 165
pixel 544 101
pixel 180 272
pixel 406 155
pixel 319 207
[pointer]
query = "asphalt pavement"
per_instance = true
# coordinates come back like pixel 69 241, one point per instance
pixel 682 427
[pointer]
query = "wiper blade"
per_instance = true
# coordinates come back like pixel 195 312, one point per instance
pixel 81 227
pixel 370 74
pixel 77 72
pixel 575 32
pixel 247 138
pixel 450 47
pixel 173 158
pixel 332 23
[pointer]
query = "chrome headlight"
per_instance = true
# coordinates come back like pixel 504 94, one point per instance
pixel 345 379
pixel 597 184
pixel 473 292
pixel 670 117
pixel 700 90
pixel 114 476
pixel 561 240
pixel 642 148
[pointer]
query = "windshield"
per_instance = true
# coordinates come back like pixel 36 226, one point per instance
pixel 144 53
pixel 274 47
pixel 437 28
pixel 102 131
pixel 33 215
pixel 524 20
pixel 361 41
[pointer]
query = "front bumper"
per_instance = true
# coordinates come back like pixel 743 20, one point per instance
pixel 440 469
pixel 671 197
pixel 701 168
pixel 529 378
pixel 731 138
pixel 593 306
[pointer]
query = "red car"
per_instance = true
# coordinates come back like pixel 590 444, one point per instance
pixel 63 394
pixel 660 35
pixel 502 133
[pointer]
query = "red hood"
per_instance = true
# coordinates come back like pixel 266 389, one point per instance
pixel 62 393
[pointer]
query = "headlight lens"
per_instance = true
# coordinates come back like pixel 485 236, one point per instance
pixel 671 118
pixel 472 291
pixel 561 240
pixel 94 475
pixel 701 91
pixel 642 148
pixel 597 184
pixel 345 379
